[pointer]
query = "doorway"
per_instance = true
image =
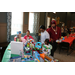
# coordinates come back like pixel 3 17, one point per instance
pixel 48 22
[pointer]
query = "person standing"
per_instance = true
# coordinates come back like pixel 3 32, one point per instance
pixel 55 34
pixel 63 31
pixel 44 34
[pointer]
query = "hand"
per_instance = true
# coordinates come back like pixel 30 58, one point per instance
pixel 42 44
pixel 51 40
pixel 39 34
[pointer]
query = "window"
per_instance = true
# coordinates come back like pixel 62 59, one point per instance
pixel 48 22
pixel 31 22
pixel 17 22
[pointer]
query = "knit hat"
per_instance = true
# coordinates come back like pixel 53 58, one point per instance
pixel 53 22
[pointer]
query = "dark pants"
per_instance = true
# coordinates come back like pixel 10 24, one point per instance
pixel 54 47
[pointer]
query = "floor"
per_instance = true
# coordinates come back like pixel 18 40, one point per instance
pixel 63 57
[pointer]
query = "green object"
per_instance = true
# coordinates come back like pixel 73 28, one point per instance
pixel 45 47
pixel 27 45
pixel 17 39
pixel 7 54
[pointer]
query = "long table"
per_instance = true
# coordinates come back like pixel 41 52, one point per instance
pixel 69 40
pixel 7 54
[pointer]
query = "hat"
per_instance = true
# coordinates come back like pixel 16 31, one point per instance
pixel 53 22
pixel 42 27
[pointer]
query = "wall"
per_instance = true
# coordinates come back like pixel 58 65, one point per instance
pixel 3 27
pixel 68 19
pixel 42 18
pixel 62 16
pixel 25 21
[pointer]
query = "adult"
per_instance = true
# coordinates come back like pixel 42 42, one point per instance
pixel 55 34
pixel 28 36
pixel 44 34
pixel 63 31
pixel 67 31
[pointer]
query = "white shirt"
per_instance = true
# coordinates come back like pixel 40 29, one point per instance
pixel 44 35
pixel 48 51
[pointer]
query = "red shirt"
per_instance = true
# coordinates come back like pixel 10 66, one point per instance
pixel 53 35
pixel 30 37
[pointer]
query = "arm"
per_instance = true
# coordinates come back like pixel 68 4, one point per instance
pixel 31 37
pixel 25 37
pixel 47 35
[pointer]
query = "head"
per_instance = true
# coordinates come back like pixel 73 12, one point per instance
pixel 53 23
pixel 42 28
pixel 65 26
pixel 49 26
pixel 47 41
pixel 27 32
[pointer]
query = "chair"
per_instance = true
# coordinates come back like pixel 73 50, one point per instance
pixel 64 45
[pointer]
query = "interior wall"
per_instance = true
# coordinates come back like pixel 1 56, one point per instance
pixel 25 21
pixel 3 27
pixel 68 20
pixel 62 16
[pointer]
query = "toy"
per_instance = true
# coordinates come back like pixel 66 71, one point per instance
pixel 15 59
pixel 42 56
pixel 38 46
pixel 22 53
pixel 28 58
pixel 30 43
pixel 49 59
pixel 46 47
pixel 36 55
pixel 18 37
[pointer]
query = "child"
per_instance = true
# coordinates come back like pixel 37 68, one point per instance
pixel 28 36
pixel 47 47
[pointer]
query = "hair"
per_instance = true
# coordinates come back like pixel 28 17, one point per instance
pixel 49 26
pixel 42 27
pixel 28 31
pixel 47 40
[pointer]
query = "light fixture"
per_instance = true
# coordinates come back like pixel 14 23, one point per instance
pixel 54 12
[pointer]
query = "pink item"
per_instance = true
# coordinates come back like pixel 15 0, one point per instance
pixel 23 40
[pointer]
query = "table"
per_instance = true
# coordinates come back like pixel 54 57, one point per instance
pixel 69 40
pixel 72 35
pixel 7 54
